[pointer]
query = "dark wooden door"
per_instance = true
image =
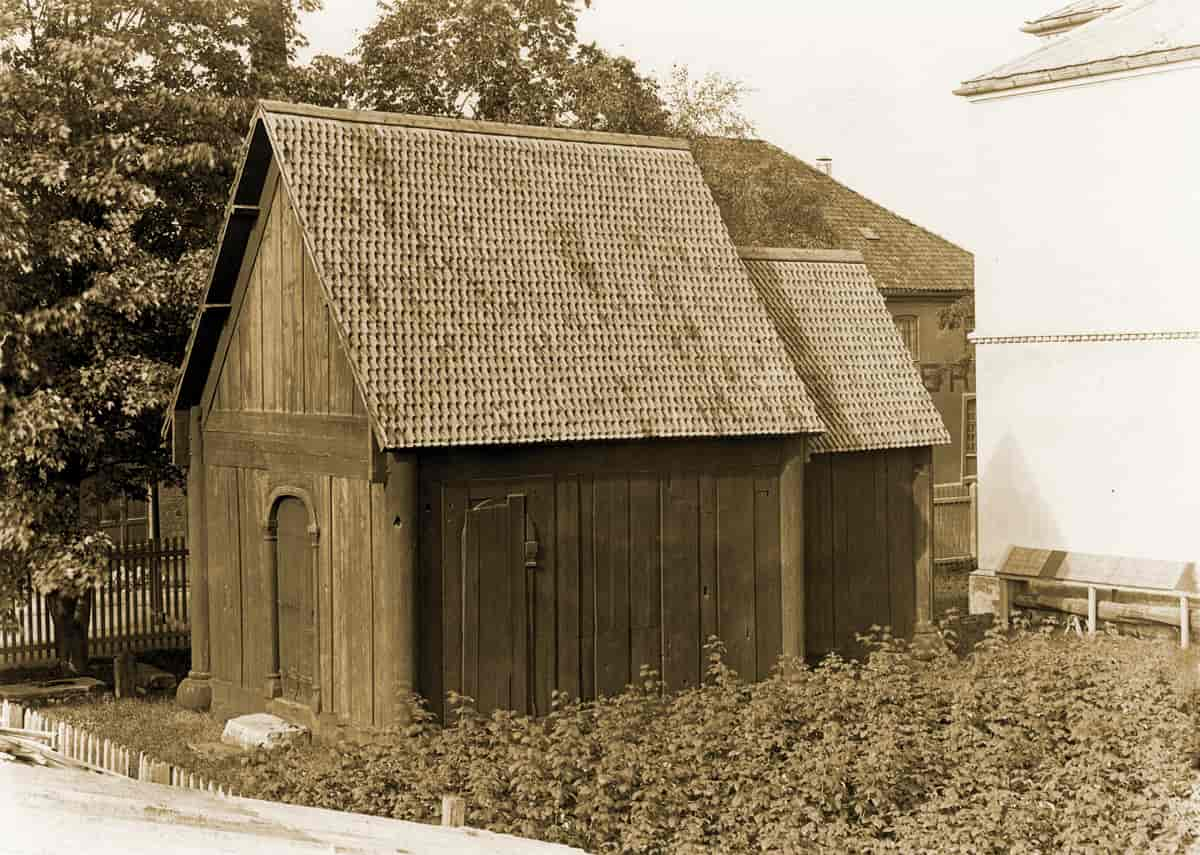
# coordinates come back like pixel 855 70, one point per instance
pixel 500 629
pixel 294 566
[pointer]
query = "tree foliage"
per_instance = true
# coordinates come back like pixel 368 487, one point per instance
pixel 120 121
pixel 521 61
pixel 711 106
pixel 959 317
pixel 501 60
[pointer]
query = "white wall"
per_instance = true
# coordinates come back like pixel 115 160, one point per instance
pixel 1086 213
pixel 1093 447
pixel 1087 219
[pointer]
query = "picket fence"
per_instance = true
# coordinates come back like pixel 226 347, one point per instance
pixel 141 604
pixel 73 745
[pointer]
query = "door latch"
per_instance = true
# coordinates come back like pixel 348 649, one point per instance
pixel 531 551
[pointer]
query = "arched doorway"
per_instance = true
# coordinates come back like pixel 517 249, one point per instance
pixel 294 599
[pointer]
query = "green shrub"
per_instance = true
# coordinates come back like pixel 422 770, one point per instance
pixel 1034 743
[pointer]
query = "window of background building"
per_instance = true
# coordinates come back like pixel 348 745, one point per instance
pixel 126 520
pixel 123 519
pixel 970 441
pixel 907 325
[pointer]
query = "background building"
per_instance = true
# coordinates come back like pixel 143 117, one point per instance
pixel 1088 314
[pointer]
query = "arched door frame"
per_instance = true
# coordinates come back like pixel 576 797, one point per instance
pixel 270 529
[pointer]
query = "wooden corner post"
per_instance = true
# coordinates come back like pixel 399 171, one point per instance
pixel 791 548
pixel 195 692
pixel 398 589
pixel 926 642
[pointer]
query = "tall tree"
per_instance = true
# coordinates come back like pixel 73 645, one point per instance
pixel 500 60
pixel 711 106
pixel 119 124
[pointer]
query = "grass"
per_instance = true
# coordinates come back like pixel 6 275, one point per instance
pixel 155 725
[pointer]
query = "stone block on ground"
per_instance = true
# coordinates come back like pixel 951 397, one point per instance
pixel 154 679
pixel 262 730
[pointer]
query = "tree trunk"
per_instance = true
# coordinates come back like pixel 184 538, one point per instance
pixel 71 616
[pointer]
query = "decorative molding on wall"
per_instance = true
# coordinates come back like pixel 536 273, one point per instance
pixel 1169 335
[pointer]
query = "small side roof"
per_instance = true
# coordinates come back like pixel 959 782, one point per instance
pixel 842 340
pixel 509 284
pixel 1140 34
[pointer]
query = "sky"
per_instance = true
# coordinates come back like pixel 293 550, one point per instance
pixel 865 82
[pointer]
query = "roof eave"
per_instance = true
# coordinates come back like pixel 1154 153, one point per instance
pixel 1097 68
pixel 238 222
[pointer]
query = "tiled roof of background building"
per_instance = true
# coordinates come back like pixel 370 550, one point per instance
pixel 845 345
pixel 768 197
pixel 1140 34
pixel 1070 16
pixel 497 285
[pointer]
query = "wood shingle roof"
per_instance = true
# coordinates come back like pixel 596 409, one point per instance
pixel 832 319
pixel 514 287
pixel 498 284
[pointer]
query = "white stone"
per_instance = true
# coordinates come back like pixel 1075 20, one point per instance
pixel 262 730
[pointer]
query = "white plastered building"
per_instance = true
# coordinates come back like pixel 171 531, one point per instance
pixel 1087 239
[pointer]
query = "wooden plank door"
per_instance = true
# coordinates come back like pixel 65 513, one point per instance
pixel 295 603
pixel 500 632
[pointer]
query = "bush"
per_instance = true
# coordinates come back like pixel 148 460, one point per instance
pixel 1034 743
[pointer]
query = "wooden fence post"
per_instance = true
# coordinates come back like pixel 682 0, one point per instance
pixel 454 811
pixel 124 675
pixel 973 520
pixel 926 642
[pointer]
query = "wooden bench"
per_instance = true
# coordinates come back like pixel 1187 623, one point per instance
pixel 1098 572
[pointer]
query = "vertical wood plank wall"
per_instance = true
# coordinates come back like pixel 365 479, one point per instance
pixel 351 516
pixel 858 546
pixel 283 355
pixel 637 565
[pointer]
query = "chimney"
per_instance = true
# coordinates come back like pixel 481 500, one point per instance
pixel 825 164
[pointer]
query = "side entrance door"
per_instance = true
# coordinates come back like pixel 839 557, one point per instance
pixel 500 593
pixel 295 603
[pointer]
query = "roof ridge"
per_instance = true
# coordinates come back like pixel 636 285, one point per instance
pixel 788 253
pixel 471 126
pixel 867 199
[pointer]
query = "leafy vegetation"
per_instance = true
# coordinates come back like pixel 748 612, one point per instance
pixel 1034 743
pixel 766 196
